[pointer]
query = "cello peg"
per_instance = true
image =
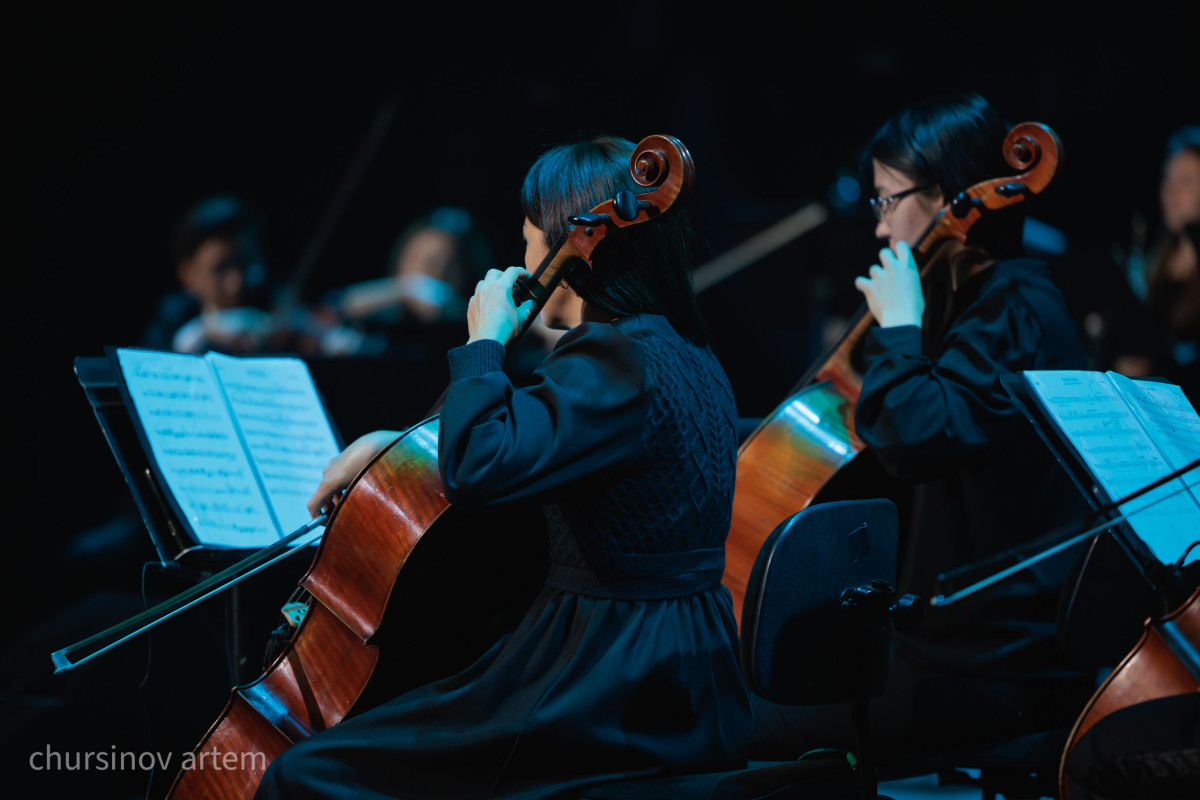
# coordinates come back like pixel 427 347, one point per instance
pixel 628 206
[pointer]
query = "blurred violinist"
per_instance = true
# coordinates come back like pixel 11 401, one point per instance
pixel 422 300
pixel 972 471
pixel 416 312
pixel 218 253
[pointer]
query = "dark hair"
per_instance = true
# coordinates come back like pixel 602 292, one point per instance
pixel 1185 138
pixel 643 269
pixel 471 253
pixel 951 142
pixel 224 217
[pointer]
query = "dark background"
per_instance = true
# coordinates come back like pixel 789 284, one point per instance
pixel 118 120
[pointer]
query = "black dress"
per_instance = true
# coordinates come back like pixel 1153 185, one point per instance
pixel 625 664
pixel 934 412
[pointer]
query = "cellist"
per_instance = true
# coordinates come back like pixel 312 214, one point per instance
pixel 626 440
pixel 933 411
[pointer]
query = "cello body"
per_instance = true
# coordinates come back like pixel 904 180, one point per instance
pixel 1164 662
pixel 780 469
pixel 456 584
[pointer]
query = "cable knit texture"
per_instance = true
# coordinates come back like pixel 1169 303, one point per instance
pixel 681 497
pixel 650 410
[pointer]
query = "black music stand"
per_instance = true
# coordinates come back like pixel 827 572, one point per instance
pixel 100 383
pixel 178 556
pixel 1116 557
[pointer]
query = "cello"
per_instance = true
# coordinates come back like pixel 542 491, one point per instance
pixel 804 442
pixel 1164 662
pixel 382 548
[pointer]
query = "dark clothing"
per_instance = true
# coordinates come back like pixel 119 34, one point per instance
pixel 934 411
pixel 171 312
pixel 983 482
pixel 625 665
pixel 1147 751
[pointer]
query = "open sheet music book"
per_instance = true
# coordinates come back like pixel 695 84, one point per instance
pixel 1130 433
pixel 239 443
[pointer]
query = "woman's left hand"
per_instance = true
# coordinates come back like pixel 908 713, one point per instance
pixel 343 468
pixel 491 313
pixel 893 288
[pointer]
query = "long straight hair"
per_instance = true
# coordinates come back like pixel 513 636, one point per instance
pixel 644 269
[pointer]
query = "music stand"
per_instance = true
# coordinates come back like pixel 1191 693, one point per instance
pixel 178 555
pixel 100 383
pixel 1163 581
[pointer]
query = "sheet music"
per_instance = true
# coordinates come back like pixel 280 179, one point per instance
pixel 1122 440
pixel 284 426
pixel 1169 412
pixel 197 448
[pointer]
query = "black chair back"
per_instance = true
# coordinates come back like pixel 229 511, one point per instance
pixel 796 647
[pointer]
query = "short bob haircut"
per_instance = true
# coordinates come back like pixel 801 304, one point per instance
pixel 643 269
pixel 951 142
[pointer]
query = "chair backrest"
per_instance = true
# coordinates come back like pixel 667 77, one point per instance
pixel 796 649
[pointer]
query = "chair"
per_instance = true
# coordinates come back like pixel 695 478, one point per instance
pixel 823 575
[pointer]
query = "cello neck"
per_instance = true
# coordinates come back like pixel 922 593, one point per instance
pixel 835 365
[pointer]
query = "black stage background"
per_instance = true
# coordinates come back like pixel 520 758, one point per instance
pixel 118 120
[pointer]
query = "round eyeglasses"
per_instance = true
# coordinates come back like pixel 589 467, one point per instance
pixel 882 206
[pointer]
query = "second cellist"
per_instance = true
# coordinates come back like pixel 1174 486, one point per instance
pixel 932 409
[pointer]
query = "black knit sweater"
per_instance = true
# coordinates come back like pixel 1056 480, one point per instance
pixel 627 436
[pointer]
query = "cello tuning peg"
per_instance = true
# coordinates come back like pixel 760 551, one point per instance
pixel 628 206
pixel 962 204
pixel 588 220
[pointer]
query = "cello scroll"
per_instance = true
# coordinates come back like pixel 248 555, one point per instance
pixel 658 161
pixel 1030 147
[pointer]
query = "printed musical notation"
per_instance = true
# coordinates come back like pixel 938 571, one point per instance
pixel 1131 433
pixel 240 443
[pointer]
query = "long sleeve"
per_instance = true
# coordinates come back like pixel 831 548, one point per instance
pixel 925 415
pixel 584 414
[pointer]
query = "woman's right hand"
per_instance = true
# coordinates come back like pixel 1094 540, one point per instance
pixel 491 314
pixel 893 290
pixel 344 467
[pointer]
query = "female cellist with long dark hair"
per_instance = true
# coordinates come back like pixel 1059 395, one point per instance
pixel 626 440
pixel 933 411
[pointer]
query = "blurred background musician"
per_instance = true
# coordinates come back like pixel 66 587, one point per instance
pixel 1173 270
pixel 421 302
pixel 219 258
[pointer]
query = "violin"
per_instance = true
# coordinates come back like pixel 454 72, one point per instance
pixel 806 440
pixel 395 577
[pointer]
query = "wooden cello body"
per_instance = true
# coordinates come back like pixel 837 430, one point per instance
pixel 406 588
pixel 1164 662
pixel 804 442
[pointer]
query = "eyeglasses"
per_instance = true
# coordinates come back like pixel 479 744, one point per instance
pixel 882 206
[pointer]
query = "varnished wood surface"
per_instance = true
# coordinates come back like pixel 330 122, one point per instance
pixel 1153 669
pixel 780 468
pixel 405 590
